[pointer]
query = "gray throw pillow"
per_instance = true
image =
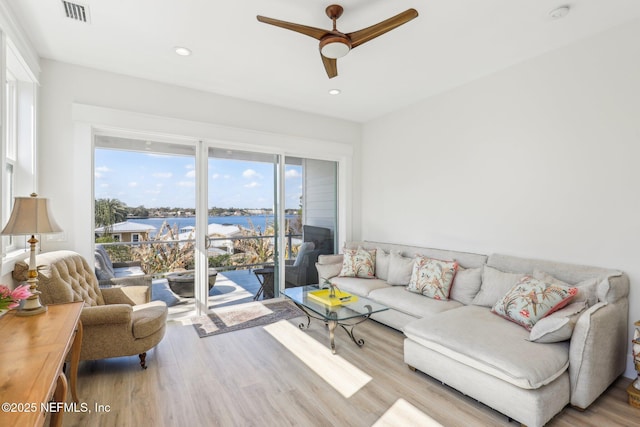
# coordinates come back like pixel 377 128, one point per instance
pixel 495 284
pixel 382 264
pixel 466 284
pixel 400 269
pixel 559 325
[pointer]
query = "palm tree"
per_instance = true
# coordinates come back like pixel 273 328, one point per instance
pixel 109 212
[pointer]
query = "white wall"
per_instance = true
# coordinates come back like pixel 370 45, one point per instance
pixel 64 151
pixel 541 160
pixel 320 193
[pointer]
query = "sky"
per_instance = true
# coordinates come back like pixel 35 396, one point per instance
pixel 154 180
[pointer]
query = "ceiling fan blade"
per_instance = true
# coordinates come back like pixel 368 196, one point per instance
pixel 330 65
pixel 362 36
pixel 316 33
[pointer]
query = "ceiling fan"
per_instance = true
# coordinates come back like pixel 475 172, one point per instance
pixel 333 43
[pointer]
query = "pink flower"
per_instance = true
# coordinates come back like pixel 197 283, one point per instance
pixel 10 299
pixel 21 292
pixel 4 291
pixel 524 313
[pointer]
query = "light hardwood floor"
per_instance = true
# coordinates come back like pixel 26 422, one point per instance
pixel 247 378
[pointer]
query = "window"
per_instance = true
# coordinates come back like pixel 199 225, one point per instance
pixel 11 144
pixel 135 237
pixel 18 137
pixel 117 237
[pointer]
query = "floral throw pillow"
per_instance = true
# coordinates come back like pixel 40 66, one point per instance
pixel 531 299
pixel 432 277
pixel 359 263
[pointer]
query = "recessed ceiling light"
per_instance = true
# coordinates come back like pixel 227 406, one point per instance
pixel 334 91
pixel 182 51
pixel 559 12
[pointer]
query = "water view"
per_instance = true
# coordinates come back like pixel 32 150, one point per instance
pixel 258 221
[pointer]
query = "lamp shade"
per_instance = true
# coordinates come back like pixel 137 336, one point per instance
pixel 30 215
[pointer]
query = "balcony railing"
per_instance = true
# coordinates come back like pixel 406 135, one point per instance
pixel 162 256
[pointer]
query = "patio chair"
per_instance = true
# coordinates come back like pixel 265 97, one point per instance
pixel 116 322
pixel 302 271
pixel 115 274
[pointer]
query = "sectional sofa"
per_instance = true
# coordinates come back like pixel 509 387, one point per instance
pixel 528 375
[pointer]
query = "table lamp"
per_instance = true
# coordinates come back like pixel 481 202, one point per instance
pixel 31 216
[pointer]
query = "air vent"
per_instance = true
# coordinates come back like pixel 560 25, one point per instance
pixel 76 11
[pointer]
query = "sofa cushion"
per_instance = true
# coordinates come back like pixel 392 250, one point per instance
pixel 586 289
pixel 532 299
pixel 303 250
pixel 432 277
pixel 466 284
pixel 359 263
pixel 400 269
pixel 382 264
pixel 473 336
pixel 104 269
pixel 148 318
pixel 557 326
pixel 495 284
pixel 416 305
pixel 358 286
pixel 128 271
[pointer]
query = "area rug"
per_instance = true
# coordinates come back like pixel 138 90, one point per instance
pixel 249 315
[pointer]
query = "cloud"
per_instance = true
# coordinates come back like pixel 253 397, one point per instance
pixel 105 185
pixel 215 176
pixel 186 184
pixel 162 175
pixel 103 169
pixel 153 192
pixel 190 174
pixel 292 173
pixel 251 174
pixel 252 184
pixel 133 184
pixel 189 166
pixel 227 176
pixel 98 175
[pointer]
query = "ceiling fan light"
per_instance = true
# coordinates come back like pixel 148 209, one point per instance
pixel 334 47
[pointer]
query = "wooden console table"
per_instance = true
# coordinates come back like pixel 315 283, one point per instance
pixel 32 355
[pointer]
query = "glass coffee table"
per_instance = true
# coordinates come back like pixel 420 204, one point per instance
pixel 347 313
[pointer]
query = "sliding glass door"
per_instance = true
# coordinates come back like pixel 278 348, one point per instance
pixel 241 225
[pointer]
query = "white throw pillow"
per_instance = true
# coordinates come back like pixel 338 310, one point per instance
pixel 466 284
pixel 400 269
pixel 557 326
pixel 495 284
pixel 382 264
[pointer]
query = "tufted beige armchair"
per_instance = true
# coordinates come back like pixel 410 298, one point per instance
pixel 116 321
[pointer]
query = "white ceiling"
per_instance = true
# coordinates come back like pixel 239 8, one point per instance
pixel 451 43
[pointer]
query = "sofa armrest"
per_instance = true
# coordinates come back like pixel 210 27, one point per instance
pixel 597 354
pixel 106 315
pixel 131 295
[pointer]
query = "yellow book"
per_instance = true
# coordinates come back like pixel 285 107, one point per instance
pixel 341 298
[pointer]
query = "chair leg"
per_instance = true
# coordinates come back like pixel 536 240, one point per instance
pixel 143 362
